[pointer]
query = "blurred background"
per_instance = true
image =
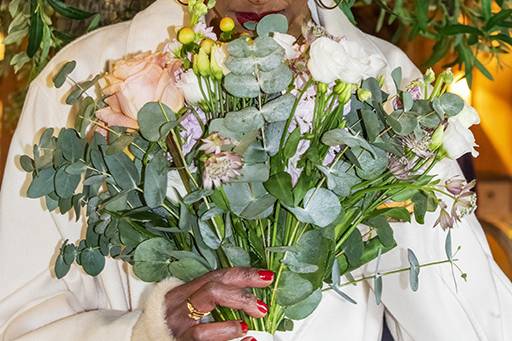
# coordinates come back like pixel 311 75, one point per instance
pixel 473 37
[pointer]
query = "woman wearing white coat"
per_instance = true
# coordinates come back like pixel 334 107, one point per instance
pixel 117 306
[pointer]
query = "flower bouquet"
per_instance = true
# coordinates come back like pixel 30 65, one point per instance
pixel 251 151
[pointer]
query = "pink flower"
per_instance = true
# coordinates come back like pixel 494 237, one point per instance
pixel 221 168
pixel 445 220
pixel 135 81
pixel 214 143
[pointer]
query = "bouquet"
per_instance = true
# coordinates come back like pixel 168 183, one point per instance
pixel 252 151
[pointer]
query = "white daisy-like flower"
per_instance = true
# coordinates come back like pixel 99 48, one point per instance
pixel 221 168
pixel 214 143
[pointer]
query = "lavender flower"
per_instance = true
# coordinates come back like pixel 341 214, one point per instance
pixel 214 143
pixel 221 168
pixel 192 131
pixel 445 220
pixel 205 31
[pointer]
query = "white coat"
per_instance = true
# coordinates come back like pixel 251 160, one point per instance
pixel 34 306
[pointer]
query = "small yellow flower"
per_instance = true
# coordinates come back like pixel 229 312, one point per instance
pixel 186 35
pixel 207 44
pixel 227 24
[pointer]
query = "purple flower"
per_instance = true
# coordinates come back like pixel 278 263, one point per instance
pixel 464 205
pixel 457 186
pixel 221 168
pixel 400 167
pixel 205 31
pixel 192 131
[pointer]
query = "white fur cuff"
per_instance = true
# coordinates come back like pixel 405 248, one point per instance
pixel 152 324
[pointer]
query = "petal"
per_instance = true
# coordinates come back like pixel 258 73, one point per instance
pixel 115 119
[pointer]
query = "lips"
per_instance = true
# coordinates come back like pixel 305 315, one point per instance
pixel 244 17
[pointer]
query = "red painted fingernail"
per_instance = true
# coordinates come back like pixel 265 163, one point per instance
pixel 244 326
pixel 266 275
pixel 262 306
pixel 252 339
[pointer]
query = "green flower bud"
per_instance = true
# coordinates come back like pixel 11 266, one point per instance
pixel 437 139
pixel 381 79
pixel 429 76
pixel 344 91
pixel 364 95
pixel 340 87
pixel 322 88
pixel 447 76
pixel 203 64
pixel 215 68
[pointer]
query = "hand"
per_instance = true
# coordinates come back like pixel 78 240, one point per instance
pixel 226 288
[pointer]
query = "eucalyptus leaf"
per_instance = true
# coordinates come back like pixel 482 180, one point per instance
pixel 151 117
pixel 338 137
pixel 303 309
pixel 292 289
pixel 65 184
pixel 60 78
pixel 321 207
pixel 244 121
pixel 272 23
pixel 449 104
pixel 278 109
pixel 414 270
pixel 208 236
pixel 353 248
pixel 92 261
pixel 237 256
pixel 152 258
pixel 187 269
pixel 155 180
pixel 275 81
pixel 242 86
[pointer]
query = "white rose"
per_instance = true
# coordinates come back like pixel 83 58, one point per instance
pixel 345 60
pixel 458 140
pixel 468 116
pixel 189 84
pixel 287 42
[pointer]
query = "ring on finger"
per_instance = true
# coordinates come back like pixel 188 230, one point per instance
pixel 194 313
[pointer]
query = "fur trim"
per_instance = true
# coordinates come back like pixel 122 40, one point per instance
pixel 152 324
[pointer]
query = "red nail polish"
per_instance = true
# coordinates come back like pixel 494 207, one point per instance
pixel 266 275
pixel 262 306
pixel 252 339
pixel 244 326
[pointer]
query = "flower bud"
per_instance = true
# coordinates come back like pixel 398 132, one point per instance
pixel 203 64
pixel 447 76
pixel 340 87
pixel 186 35
pixel 207 44
pixel 344 91
pixel 322 88
pixel 429 76
pixel 216 69
pixel 227 24
pixel 437 139
pixel 364 95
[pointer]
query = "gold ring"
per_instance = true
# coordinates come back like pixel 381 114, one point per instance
pixel 193 313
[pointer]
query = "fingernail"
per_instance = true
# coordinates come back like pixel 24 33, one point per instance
pixel 266 275
pixel 244 326
pixel 262 306
pixel 252 339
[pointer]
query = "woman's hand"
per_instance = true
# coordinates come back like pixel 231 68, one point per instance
pixel 226 288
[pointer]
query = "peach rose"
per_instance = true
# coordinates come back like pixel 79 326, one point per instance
pixel 136 80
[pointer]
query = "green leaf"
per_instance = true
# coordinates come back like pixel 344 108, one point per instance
pixel 123 170
pixel 304 308
pixel 92 261
pixel 278 109
pixel 208 235
pixel 340 178
pixel 377 289
pixel 280 186
pixel 353 248
pixel 65 184
pixel 69 11
pixel 242 86
pixel 396 74
pixel 272 23
pixel 60 78
pixel 42 183
pixel 152 116
pixel 120 144
pixel 449 104
pixel 27 164
pixel 384 230
pixel 338 137
pixel 244 121
pixel 402 123
pixel 290 147
pixel 152 258
pixel 455 29
pixel 321 208
pixel 155 180
pixel 368 166
pixel 196 196
pixel 237 256
pixel 292 289
pixel 275 81
pixel 398 213
pixel 61 267
pixel 420 201
pixel 448 245
pixel 35 31
pixel 71 145
pixel 187 269
pixel 414 270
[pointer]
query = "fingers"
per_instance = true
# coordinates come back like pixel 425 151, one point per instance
pixel 214 294
pixel 236 277
pixel 220 331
